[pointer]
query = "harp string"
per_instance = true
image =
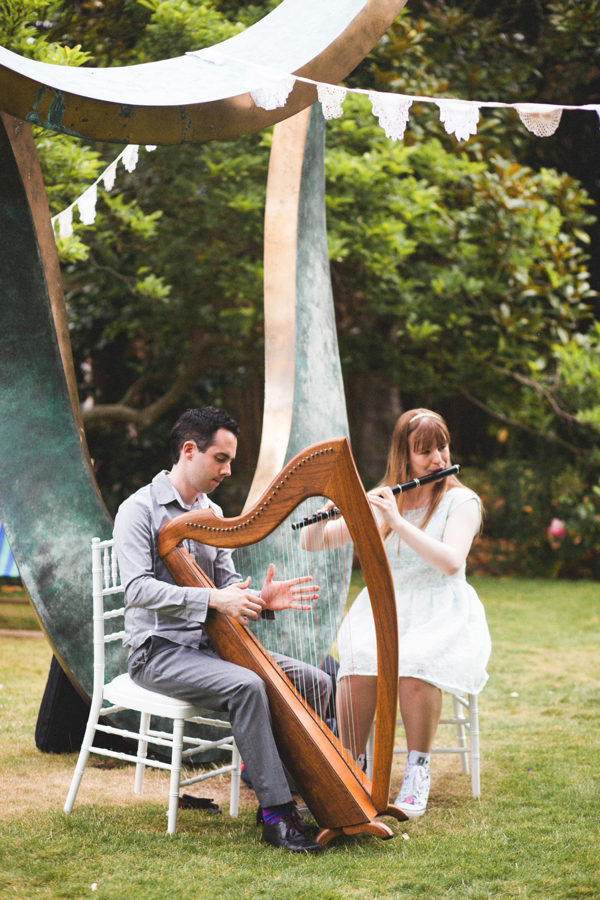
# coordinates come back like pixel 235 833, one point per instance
pixel 347 702
pixel 330 570
pixel 356 699
pixel 307 635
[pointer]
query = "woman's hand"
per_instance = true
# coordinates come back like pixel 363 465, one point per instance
pixel 383 500
pixel 326 533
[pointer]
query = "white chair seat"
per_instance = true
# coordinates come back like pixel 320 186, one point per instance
pixel 122 691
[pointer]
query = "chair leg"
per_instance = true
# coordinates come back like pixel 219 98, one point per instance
pixel 475 750
pixel 234 797
pixel 88 740
pixel 461 735
pixel 142 752
pixel 178 725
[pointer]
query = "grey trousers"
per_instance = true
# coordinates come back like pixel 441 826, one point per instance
pixel 200 676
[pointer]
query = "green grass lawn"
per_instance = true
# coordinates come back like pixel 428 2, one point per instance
pixel 533 834
pixel 16 611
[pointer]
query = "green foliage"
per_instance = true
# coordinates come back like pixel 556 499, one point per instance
pixel 446 50
pixel 579 375
pixel 460 270
pixel 144 225
pixel 522 500
pixel 68 166
pixel 177 26
pixel 19 26
pixel 23 28
pixel 246 13
pixel 108 30
pixel 471 267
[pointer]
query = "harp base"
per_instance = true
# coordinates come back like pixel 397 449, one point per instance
pixel 376 828
pixel 396 812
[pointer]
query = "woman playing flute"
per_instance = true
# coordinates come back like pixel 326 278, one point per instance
pixel 443 635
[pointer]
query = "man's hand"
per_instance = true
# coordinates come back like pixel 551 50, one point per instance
pixel 236 601
pixel 286 594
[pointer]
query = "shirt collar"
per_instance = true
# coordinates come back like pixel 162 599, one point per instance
pixel 166 493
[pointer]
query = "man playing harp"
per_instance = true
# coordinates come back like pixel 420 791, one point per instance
pixel 169 651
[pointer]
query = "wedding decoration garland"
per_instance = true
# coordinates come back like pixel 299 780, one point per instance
pixel 270 89
pixel 86 203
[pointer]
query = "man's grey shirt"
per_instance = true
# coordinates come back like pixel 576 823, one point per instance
pixel 154 603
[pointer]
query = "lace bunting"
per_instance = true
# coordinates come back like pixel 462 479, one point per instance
pixel 65 222
pixel 459 117
pixel 331 98
pixel 109 175
pixel 129 157
pixel 392 112
pixel 274 89
pixel 538 118
pixel 87 205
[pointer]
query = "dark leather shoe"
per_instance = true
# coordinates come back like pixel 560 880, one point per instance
pixel 290 834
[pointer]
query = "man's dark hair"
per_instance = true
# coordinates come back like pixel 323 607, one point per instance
pixel 200 426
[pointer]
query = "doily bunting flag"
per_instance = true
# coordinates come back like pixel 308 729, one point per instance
pixel 540 120
pixel 270 89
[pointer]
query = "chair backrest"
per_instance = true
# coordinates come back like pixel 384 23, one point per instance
pixel 106 589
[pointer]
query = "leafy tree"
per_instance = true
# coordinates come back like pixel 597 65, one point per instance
pixel 459 270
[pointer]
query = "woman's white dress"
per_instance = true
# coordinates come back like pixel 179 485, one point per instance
pixel 443 633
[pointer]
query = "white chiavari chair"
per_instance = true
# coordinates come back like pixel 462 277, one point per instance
pixel 465 719
pixel 121 693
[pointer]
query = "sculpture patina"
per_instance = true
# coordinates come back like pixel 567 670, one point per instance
pixel 49 501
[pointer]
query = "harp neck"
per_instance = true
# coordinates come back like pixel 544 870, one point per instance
pixel 317 471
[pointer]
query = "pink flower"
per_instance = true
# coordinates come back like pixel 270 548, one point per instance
pixel 557 529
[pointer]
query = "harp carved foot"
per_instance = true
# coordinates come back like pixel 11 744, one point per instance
pixel 396 812
pixel 327 834
pixel 378 829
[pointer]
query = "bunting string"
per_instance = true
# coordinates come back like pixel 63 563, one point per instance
pixel 270 89
pixel 459 117
pixel 86 203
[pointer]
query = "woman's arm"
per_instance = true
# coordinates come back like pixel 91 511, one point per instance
pixel 447 555
pixel 326 534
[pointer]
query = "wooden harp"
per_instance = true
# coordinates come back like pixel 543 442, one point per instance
pixel 339 794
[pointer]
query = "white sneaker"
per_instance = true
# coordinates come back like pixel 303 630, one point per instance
pixel 414 793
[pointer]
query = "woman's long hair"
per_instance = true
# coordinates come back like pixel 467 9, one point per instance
pixel 425 429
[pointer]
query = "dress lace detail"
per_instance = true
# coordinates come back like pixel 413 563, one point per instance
pixel 444 638
pixel 407 566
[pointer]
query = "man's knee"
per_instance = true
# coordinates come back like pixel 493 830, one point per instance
pixel 250 685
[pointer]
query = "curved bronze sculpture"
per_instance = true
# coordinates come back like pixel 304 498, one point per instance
pixel 189 99
pixel 49 502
